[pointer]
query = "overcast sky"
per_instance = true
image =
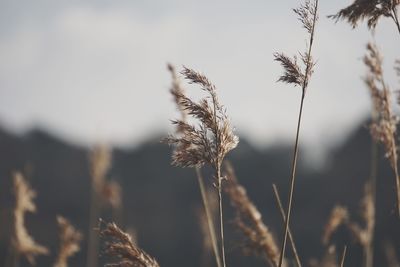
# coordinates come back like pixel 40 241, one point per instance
pixel 96 70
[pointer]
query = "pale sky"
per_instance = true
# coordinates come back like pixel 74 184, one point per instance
pixel 96 70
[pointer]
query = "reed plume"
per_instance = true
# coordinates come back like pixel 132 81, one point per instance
pixel 339 216
pixel 260 240
pixel 299 76
pixel 69 242
pixel 23 243
pixel 209 141
pixel 364 234
pixel 383 129
pixel 370 10
pixel 121 247
pixel 176 91
pixel 102 191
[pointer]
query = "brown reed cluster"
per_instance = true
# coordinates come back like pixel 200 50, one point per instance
pixel 121 247
pixel 293 72
pixel 213 138
pixel 370 10
pixel 260 240
pixel 383 129
pixel 69 242
pixel 23 243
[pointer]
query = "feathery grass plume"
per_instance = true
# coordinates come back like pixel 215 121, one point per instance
pixel 23 243
pixel 370 10
pixel 208 142
pixel 260 240
pixel 177 91
pixel 383 129
pixel 100 163
pixel 299 76
pixel 364 234
pixel 69 242
pixel 119 245
pixel 339 215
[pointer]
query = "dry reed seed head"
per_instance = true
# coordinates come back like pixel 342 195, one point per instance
pixel 260 240
pixel 112 194
pixel 383 129
pixel 69 241
pixel 100 162
pixel 364 234
pixel 307 12
pixel 292 71
pixel 339 215
pixel 373 60
pixel 212 138
pixel 370 10
pixel 121 247
pixel 368 209
pixel 177 91
pixel 24 243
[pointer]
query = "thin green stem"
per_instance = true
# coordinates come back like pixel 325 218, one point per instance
pixel 209 216
pixel 282 211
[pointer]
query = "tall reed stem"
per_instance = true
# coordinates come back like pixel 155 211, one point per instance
pixel 369 251
pixel 309 65
pixel 93 240
pixel 343 256
pixel 209 216
pixel 282 211
pixel 292 182
pixel 221 218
